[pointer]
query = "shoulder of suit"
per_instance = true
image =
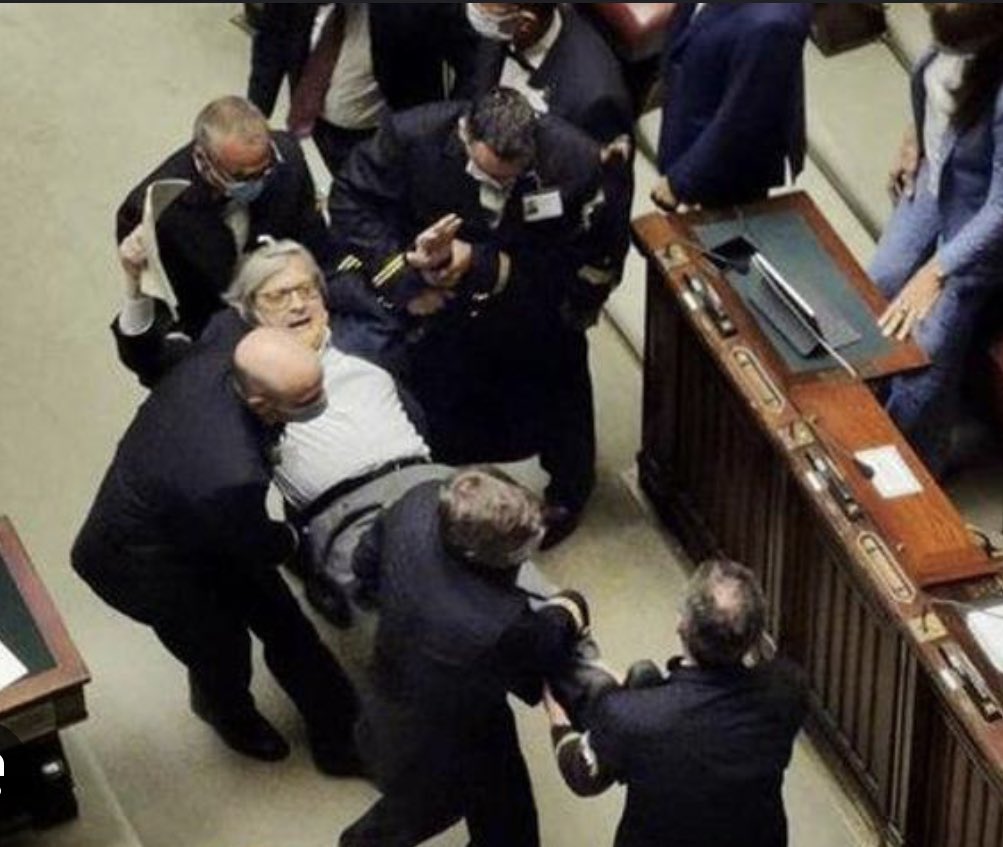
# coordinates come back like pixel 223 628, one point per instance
pixel 566 155
pixel 430 118
pixel 779 18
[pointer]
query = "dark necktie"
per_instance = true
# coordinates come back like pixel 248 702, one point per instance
pixel 307 101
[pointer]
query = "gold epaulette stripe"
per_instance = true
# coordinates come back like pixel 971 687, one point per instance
pixel 390 270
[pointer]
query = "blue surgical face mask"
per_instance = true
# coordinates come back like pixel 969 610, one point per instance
pixel 247 192
pixel 488 26
pixel 305 414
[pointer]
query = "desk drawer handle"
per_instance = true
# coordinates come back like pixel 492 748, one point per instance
pixel 755 376
pixel 886 567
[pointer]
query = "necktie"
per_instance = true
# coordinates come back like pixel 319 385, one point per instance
pixel 307 101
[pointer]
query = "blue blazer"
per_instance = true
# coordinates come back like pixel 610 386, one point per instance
pixel 734 100
pixel 969 223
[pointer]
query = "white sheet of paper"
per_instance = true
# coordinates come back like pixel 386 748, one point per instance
pixel 987 627
pixel 11 668
pixel 153 280
pixel 892 476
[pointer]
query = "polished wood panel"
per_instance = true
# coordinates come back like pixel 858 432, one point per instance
pixel 925 529
pixel 59 689
pixel 861 600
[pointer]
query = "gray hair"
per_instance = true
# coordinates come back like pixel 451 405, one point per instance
pixel 724 614
pixel 230 117
pixel 259 266
pixel 505 121
pixel 488 518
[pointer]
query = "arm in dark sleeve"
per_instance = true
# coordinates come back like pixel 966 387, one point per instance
pixel 236 521
pixel 279 48
pixel 130 213
pixel 600 250
pixel 458 45
pixel 152 353
pixel 761 77
pixel 537 645
pixel 590 762
pixel 366 206
pixel 577 762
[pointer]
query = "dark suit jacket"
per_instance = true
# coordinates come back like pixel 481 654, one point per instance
pixel 411 44
pixel 186 489
pixel 452 640
pixel 414 171
pixel 734 100
pixel 582 79
pixel 197 248
pixel 702 755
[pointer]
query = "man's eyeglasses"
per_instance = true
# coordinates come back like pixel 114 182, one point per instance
pixel 282 298
pixel 228 182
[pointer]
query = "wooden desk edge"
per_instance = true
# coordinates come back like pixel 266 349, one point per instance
pixel 70 671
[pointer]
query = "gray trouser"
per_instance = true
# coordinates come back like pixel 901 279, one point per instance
pixel 334 534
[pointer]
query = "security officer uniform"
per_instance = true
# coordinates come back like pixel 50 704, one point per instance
pixel 502 371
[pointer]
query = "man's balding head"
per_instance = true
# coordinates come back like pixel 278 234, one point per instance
pixel 280 379
pixel 724 614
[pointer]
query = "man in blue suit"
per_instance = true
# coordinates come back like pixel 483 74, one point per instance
pixel 733 117
pixel 939 260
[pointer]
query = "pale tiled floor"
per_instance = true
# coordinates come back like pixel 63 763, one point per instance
pixel 93 97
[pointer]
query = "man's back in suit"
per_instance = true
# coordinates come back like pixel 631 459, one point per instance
pixel 734 101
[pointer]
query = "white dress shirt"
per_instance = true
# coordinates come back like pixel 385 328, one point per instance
pixel 364 427
pixel 354 100
pixel 516 75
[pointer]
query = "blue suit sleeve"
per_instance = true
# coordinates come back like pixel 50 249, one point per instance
pixel 763 69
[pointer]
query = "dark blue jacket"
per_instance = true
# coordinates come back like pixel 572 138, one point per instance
pixel 186 489
pixel 703 755
pixel 581 79
pixel 734 100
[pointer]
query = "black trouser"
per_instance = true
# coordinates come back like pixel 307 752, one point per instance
pixel 335 143
pixel 477 774
pixel 203 612
pixel 499 400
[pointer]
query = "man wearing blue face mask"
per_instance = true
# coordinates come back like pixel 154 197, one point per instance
pixel 243 181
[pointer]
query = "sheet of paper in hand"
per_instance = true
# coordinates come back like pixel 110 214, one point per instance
pixel 153 281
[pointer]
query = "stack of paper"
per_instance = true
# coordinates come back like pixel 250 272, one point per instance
pixel 11 668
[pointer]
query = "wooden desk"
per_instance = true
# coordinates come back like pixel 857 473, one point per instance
pixel 728 441
pixel 37 780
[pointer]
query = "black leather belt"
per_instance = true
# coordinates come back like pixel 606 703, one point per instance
pixel 346 487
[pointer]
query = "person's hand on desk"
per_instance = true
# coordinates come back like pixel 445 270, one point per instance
pixel 913 303
pixel 902 177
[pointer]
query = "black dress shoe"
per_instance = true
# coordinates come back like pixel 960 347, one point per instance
pixel 246 731
pixel 334 756
pixel 560 522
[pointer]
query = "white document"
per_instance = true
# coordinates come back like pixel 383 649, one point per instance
pixel 892 476
pixel 986 625
pixel 153 280
pixel 11 668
